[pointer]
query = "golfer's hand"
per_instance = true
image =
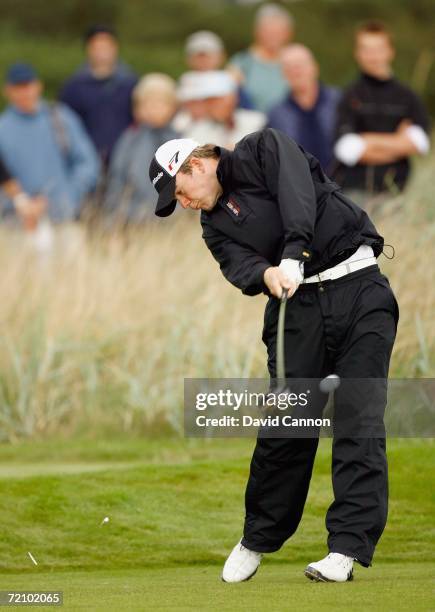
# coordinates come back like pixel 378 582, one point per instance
pixel 288 275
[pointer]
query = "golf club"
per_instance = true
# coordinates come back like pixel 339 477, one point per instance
pixel 327 385
pixel 279 384
pixel 280 359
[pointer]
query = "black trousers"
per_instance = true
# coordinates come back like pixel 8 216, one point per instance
pixel 347 327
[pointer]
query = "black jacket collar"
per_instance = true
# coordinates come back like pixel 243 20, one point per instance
pixel 224 170
pixel 374 81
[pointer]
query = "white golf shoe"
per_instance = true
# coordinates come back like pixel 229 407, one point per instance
pixel 241 564
pixel 335 567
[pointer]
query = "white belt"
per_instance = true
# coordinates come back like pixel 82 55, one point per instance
pixel 341 270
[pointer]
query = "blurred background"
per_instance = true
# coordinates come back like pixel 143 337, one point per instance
pixel 97 332
pixel 153 33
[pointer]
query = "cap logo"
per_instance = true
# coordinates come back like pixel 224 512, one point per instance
pixel 173 161
pixel 157 178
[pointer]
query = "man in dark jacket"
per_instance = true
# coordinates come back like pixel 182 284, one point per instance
pixel 273 221
pixel 308 113
pixel 100 91
pixel 381 123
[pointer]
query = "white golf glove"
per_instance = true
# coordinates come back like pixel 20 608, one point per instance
pixel 293 269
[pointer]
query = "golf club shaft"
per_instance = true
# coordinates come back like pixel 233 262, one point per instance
pixel 280 359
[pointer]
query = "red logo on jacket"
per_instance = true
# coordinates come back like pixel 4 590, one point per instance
pixel 233 206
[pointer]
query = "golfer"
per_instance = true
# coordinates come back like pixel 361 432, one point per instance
pixel 273 220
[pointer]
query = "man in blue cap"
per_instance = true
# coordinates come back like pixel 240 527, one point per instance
pixel 47 151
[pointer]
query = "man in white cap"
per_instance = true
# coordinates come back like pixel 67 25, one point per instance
pixel 223 123
pixel 205 51
pixel 274 221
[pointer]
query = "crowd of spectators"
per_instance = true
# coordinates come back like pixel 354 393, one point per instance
pixel 89 151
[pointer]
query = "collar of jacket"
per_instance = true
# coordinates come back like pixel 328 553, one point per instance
pixel 320 100
pixel 224 170
pixel 372 80
pixel 120 71
pixel 41 108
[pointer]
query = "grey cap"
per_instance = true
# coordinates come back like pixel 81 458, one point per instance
pixel 203 41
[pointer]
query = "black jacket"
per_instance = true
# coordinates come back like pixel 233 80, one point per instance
pixel 278 203
pixel 373 105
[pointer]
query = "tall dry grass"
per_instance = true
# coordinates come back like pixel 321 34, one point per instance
pixel 105 333
pixel 408 223
pixel 101 334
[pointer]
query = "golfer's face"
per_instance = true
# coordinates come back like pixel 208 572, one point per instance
pixel 198 190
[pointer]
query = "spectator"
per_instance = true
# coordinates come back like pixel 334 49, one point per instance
pixel 258 68
pixel 381 122
pixel 130 196
pixel 193 105
pixel 308 113
pixel 205 51
pixel 46 150
pixel 100 91
pixel 224 123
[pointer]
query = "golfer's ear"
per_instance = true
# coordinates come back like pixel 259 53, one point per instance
pixel 197 163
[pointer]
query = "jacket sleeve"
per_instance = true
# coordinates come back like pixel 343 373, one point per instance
pixel 241 266
pixel 84 165
pixel 288 179
pixel 346 116
pixel 418 113
pixel 68 95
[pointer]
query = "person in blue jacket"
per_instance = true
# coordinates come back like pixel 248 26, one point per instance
pixel 46 150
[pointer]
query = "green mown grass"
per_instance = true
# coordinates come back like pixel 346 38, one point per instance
pixel 274 588
pixel 176 509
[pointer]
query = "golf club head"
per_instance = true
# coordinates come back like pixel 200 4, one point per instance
pixel 329 383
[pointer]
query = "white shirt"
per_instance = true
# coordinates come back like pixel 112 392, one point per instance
pixel 363 252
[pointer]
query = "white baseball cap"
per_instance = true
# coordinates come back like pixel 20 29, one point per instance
pixel 164 166
pixel 197 85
